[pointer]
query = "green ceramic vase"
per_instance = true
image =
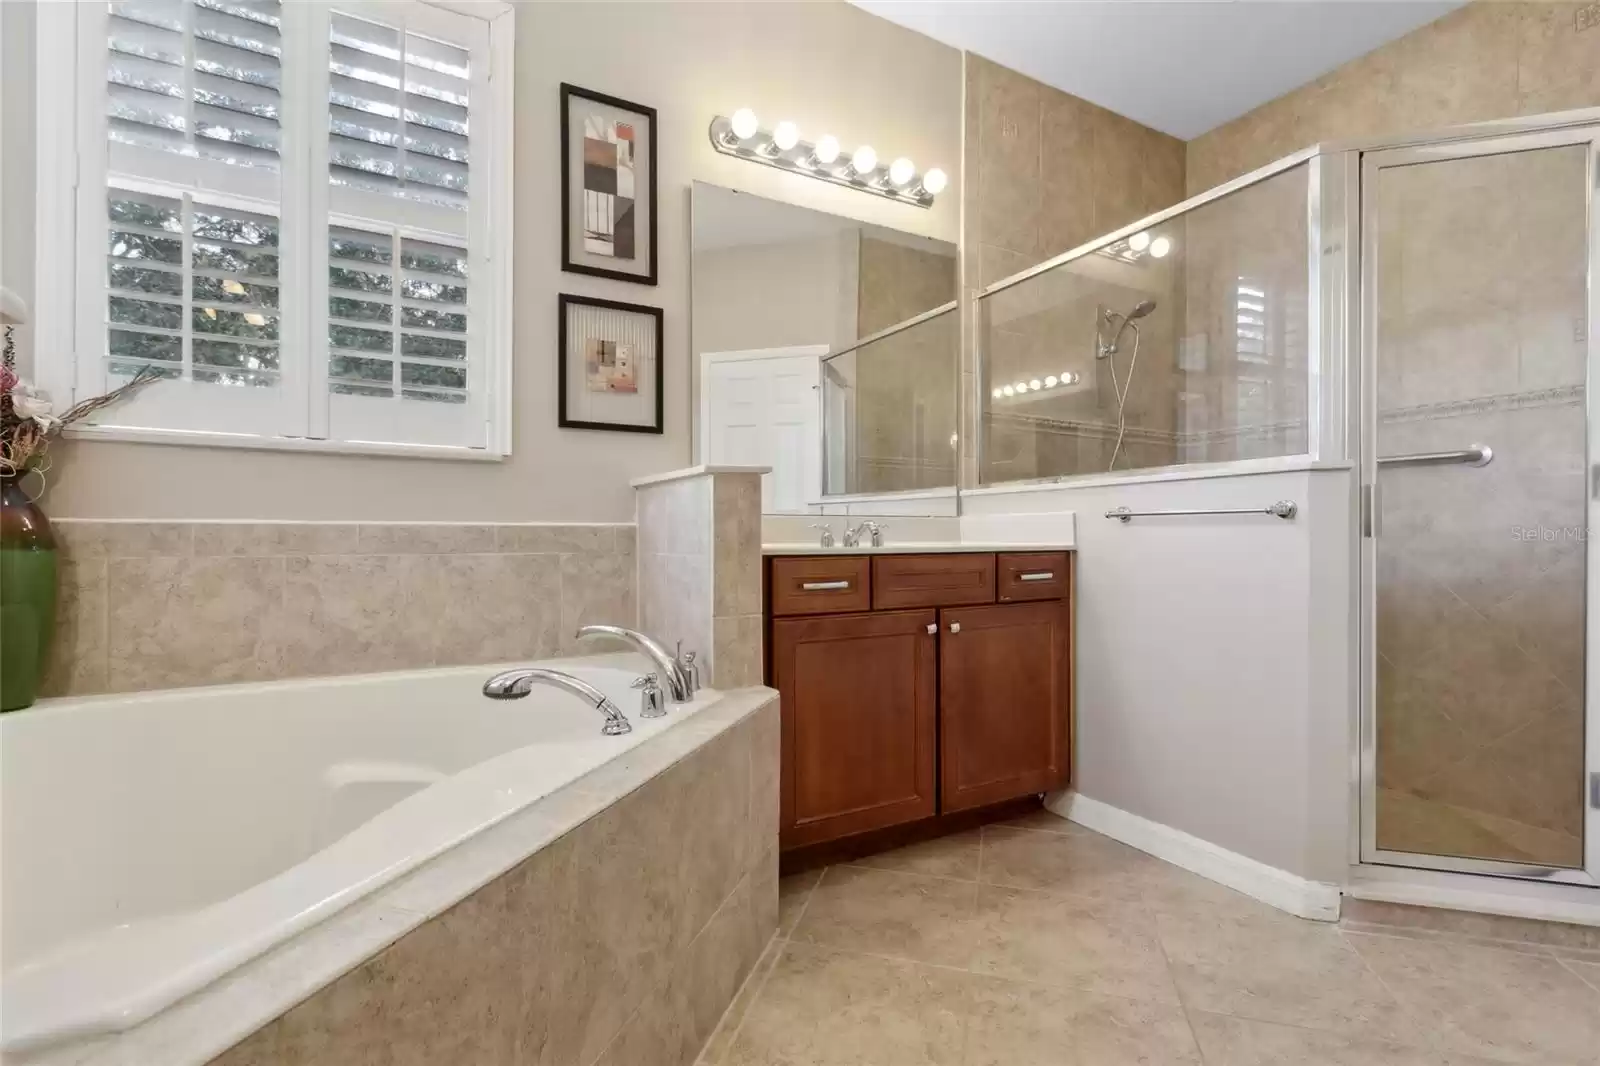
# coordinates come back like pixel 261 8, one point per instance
pixel 27 595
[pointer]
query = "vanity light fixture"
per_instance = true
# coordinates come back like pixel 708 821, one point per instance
pixel 741 135
pixel 1033 385
pixel 1136 247
pixel 825 152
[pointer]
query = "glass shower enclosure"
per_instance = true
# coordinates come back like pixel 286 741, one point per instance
pixel 1418 315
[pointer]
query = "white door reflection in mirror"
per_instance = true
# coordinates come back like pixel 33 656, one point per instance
pixel 760 408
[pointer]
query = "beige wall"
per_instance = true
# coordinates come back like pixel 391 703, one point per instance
pixel 825 65
pixel 776 295
pixel 1485 61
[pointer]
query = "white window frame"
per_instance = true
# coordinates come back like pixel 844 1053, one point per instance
pixel 70 338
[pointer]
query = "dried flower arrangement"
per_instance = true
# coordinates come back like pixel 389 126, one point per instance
pixel 28 421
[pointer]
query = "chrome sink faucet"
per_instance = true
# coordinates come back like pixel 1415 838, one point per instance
pixel 515 684
pixel 668 666
pixel 852 537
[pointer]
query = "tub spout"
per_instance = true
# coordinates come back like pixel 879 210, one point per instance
pixel 515 684
pixel 667 664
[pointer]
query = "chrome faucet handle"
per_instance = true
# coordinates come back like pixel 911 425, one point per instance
pixel 827 533
pixel 651 703
pixel 877 533
pixel 691 668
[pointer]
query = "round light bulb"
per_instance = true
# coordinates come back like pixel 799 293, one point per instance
pixel 826 149
pixel 1160 247
pixel 1068 378
pixel 1022 386
pixel 901 171
pixel 934 181
pixel 997 393
pixel 1139 241
pixel 1010 390
pixel 1034 384
pixel 865 160
pixel 744 124
pixel 1050 382
pixel 785 135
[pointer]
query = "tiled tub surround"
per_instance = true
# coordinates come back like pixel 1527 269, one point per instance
pixel 609 921
pixel 147 605
pixel 1038 941
pixel 700 568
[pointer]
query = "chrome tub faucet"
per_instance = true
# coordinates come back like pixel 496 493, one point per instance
pixel 678 683
pixel 515 684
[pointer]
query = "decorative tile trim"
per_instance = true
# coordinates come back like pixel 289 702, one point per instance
pixel 1561 396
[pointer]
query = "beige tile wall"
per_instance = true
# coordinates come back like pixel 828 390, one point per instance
pixel 1487 60
pixel 700 572
pixel 905 384
pixel 164 604
pixel 621 943
pixel 1044 171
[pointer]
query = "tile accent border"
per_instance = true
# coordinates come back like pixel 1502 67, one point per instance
pixel 1279 888
pixel 147 605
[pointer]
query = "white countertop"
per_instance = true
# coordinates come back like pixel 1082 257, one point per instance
pixel 909 548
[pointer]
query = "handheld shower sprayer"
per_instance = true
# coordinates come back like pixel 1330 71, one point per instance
pixel 1108 352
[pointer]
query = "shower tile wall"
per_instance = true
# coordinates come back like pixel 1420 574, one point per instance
pixel 1044 171
pixel 905 398
pixel 1486 60
pixel 1481 571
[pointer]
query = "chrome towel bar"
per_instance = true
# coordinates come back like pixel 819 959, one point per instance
pixel 1471 455
pixel 1281 509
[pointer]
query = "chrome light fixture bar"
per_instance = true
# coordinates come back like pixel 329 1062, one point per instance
pixel 741 135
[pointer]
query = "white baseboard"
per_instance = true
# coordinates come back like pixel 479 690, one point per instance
pixel 1316 900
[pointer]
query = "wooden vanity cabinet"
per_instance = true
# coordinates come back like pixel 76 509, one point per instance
pixel 898 714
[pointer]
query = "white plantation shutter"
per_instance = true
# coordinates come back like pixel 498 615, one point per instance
pixel 287 208
pixel 186 248
pixel 406 237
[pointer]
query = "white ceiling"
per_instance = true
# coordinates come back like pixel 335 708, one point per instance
pixel 1180 66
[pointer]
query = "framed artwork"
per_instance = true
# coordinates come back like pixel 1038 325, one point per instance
pixel 608 186
pixel 609 359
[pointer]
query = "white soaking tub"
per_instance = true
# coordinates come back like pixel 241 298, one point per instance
pixel 152 843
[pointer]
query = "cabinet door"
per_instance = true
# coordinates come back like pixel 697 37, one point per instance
pixel 1003 706
pixel 858 700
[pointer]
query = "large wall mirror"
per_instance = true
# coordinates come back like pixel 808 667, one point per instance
pixel 827 349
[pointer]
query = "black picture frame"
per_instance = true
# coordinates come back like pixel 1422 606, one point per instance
pixel 566 301
pixel 569 93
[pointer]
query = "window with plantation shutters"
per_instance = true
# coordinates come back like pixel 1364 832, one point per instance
pixel 298 214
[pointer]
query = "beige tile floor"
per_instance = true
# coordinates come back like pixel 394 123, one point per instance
pixel 1039 943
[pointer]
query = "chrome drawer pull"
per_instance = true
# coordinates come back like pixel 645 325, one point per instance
pixel 824 586
pixel 1037 575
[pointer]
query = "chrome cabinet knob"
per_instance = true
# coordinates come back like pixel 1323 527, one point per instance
pixel 955 627
pixel 933 628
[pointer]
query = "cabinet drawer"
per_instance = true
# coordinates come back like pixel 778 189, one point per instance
pixel 820 585
pixel 1031 576
pixel 953 580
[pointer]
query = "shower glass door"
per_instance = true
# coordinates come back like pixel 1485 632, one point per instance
pixel 1478 743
